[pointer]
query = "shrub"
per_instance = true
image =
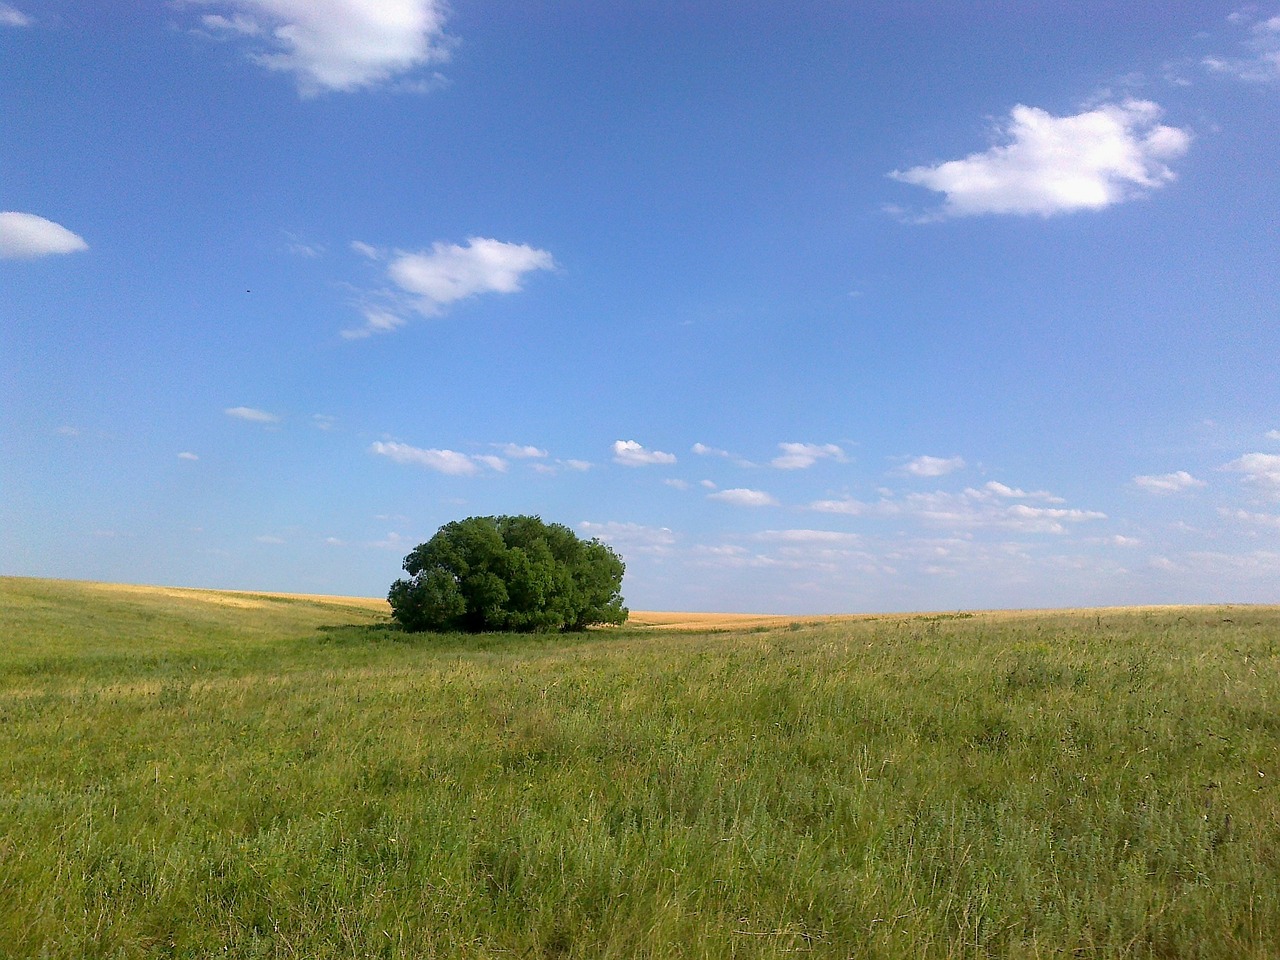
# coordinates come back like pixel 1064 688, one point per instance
pixel 508 573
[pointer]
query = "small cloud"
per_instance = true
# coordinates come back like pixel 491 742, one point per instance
pixel 709 484
pixel 269 539
pixel 309 250
pixel 580 465
pixel 808 536
pixel 236 24
pixel 339 45
pixel 335 542
pixel 800 456
pixel 1049 165
pixel 1260 60
pixel 1268 520
pixel 366 250
pixel 322 421
pixel 742 497
pixel 1015 493
pixel 430 280
pixel 252 415
pixel 631 537
pixel 1162 483
pixel 677 484
pixel 25 236
pixel 9 17
pixel 518 451
pixel 927 466
pixel 1262 470
pixel 442 461
pixel 1273 434
pixel 187 455
pixel 631 454
pixel 847 506
pixel 702 450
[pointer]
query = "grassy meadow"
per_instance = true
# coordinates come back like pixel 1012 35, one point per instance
pixel 196 774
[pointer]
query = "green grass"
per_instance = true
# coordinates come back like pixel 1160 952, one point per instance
pixel 182 778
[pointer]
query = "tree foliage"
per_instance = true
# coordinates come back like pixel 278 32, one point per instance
pixel 508 573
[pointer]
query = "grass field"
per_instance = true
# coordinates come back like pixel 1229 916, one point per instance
pixel 194 774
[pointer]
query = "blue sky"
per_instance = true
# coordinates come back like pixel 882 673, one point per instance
pixel 807 308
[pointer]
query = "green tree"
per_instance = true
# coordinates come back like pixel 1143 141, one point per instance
pixel 508 573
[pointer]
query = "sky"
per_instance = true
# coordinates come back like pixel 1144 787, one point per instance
pixel 802 308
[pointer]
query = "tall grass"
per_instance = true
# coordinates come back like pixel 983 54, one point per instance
pixel 294 778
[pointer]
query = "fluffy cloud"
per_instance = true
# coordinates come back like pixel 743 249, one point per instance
pixel 1273 434
pixel 631 454
pixel 1270 520
pixel 9 17
pixel 442 461
pixel 1177 482
pixel 799 456
pixel 187 455
pixel 927 466
pixel 1051 165
pixel 742 497
pixel 1261 60
pixel 24 236
pixel 1262 470
pixel 252 415
pixel 339 45
pixel 430 280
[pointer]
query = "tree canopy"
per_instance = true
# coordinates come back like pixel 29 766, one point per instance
pixel 508 574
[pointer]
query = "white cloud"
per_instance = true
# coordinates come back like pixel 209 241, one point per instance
pixel 631 454
pixel 1252 519
pixel 338 45
pixel 1260 469
pixel 677 484
pixel 187 455
pixel 430 280
pixel 366 250
pixel 252 415
pixel 927 466
pixel 518 451
pixel 978 508
pixel 1273 434
pixel 579 465
pixel 808 536
pixel 323 421
pixel 799 456
pixel 442 461
pixel 1051 165
pixel 631 537
pixel 742 497
pixel 1177 482
pixel 9 17
pixel 1261 61
pixel 1014 493
pixel 702 450
pixel 847 506
pixel 267 538
pixel 24 236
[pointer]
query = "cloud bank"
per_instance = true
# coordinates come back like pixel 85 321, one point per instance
pixel 24 236
pixel 1050 165
pixel 336 45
